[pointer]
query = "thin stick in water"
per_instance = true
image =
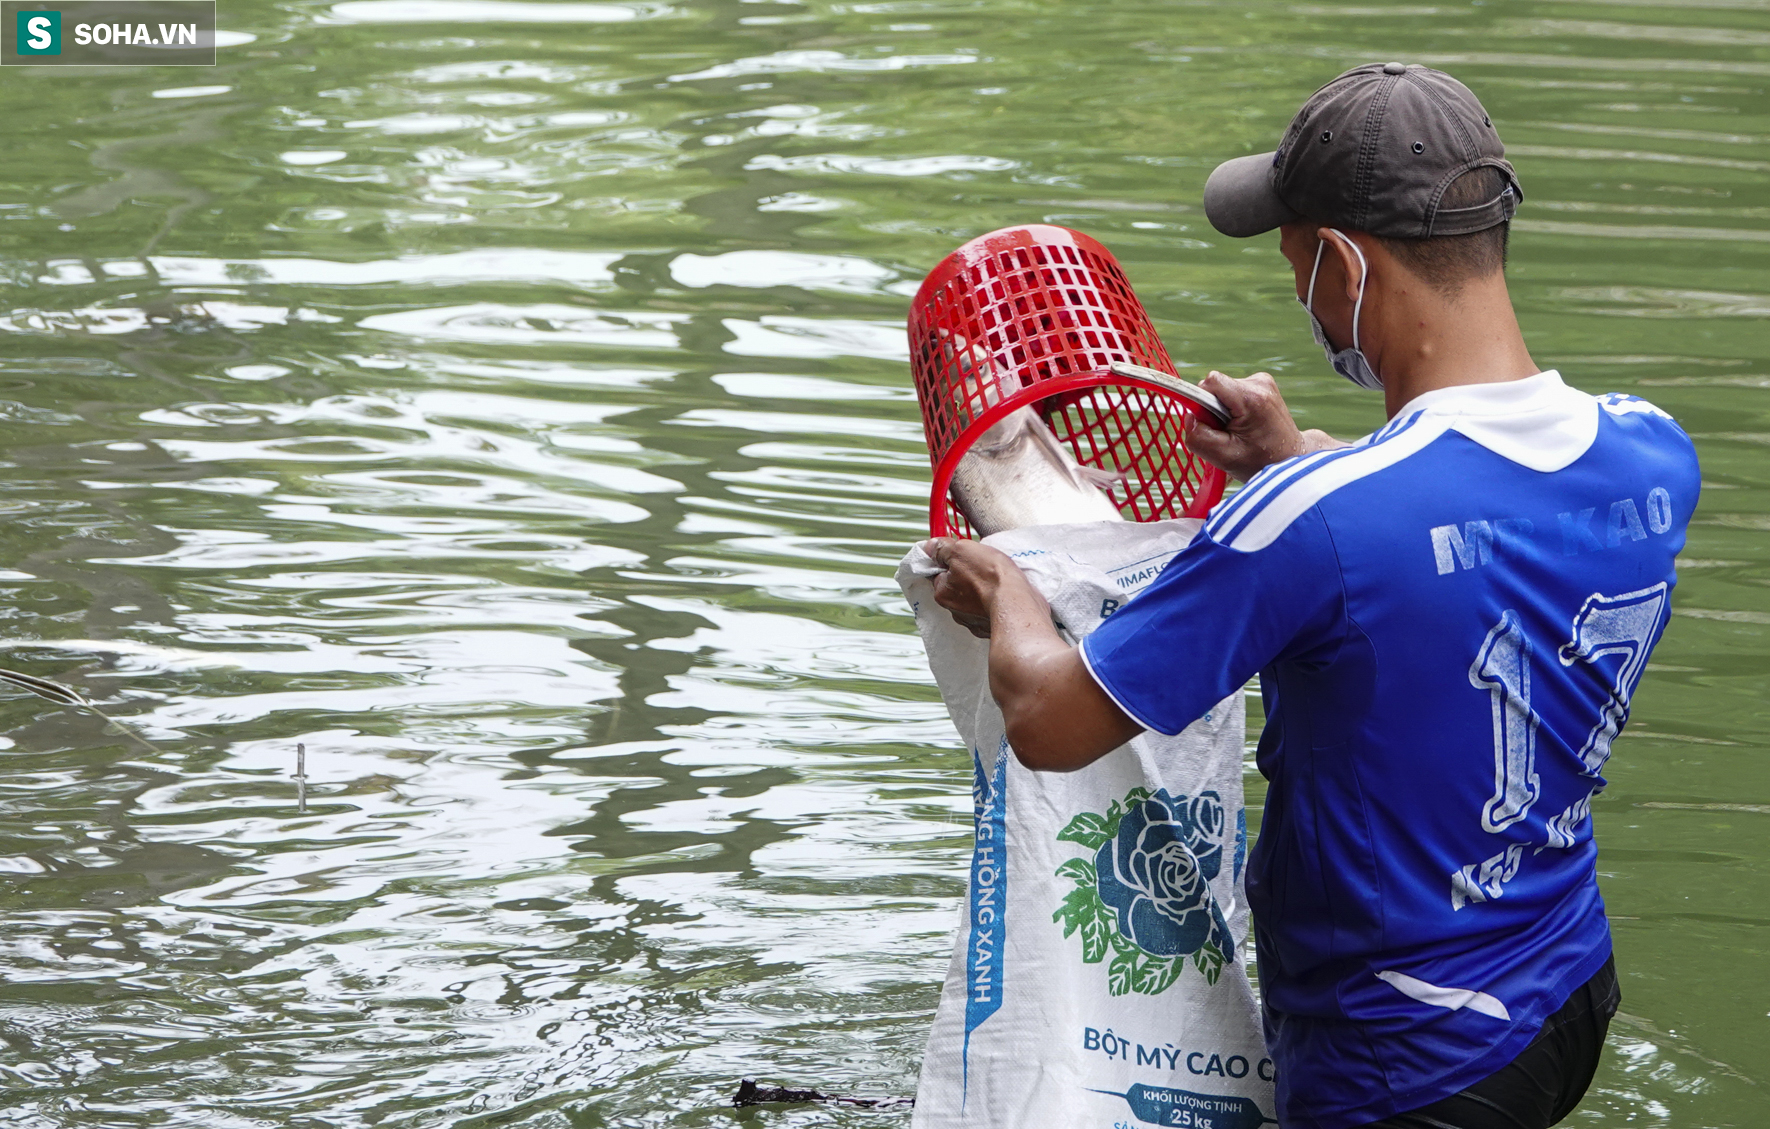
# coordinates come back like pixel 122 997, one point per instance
pixel 300 777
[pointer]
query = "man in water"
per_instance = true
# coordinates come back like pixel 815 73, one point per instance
pixel 1447 618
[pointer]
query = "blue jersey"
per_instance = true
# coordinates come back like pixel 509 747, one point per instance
pixel 1448 620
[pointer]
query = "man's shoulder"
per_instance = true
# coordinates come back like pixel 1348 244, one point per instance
pixel 1273 500
pixel 1642 421
pixel 1627 404
pixel 1642 434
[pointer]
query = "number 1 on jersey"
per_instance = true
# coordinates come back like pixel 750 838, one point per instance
pixel 1502 667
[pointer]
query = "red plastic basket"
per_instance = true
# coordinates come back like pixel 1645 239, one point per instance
pixel 1036 315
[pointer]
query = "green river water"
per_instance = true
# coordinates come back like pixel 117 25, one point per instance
pixel 507 400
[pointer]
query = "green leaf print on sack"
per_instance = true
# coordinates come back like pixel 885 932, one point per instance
pixel 1144 898
pixel 1088 829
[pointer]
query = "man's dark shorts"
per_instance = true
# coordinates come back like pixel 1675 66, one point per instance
pixel 1547 1079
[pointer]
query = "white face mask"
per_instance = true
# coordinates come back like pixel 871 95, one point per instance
pixel 1349 363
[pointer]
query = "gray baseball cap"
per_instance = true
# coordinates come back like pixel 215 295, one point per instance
pixel 1372 151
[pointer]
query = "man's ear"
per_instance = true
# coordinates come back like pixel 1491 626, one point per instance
pixel 1352 270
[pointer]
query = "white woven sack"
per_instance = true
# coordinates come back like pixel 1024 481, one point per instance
pixel 1097 977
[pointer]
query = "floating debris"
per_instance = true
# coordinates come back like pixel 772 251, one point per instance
pixel 44 688
pixel 749 1093
pixel 68 696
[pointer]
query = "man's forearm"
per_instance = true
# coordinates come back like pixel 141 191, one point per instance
pixel 1058 719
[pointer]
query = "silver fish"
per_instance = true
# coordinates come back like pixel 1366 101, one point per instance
pixel 1019 474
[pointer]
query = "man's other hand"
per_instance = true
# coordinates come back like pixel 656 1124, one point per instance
pixel 1260 430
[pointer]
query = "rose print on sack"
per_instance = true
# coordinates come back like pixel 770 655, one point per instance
pixel 1154 874
pixel 1145 897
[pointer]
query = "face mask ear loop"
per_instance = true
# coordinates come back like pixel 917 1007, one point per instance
pixel 1364 271
pixel 1309 302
